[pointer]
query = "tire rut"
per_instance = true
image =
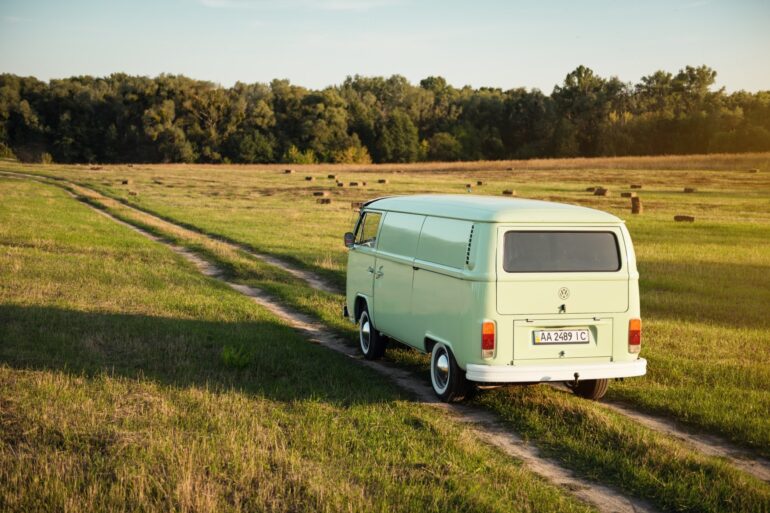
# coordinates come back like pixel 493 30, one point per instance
pixel 485 425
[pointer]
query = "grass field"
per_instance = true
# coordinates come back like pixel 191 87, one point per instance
pixel 704 291
pixel 129 382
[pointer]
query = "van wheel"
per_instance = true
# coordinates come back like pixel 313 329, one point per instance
pixel 447 378
pixel 372 344
pixel 593 389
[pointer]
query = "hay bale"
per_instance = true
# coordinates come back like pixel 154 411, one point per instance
pixel 288 171
pixel 601 191
pixel 357 205
pixel 468 185
pixel 479 182
pixel 324 201
pixel 331 177
pixel 363 184
pixel 754 170
pixel 309 178
pixel 684 219
pixel 509 192
pixel 628 195
pixel 382 180
pixel 636 186
pixel 125 182
pixel 590 189
pixel 320 193
pixel 636 205
pixel 354 184
pixel 132 193
pixel 509 169
pixel 690 189
pixel 340 184
pixel 130 165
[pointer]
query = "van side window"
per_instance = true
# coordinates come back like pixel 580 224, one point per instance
pixel 367 229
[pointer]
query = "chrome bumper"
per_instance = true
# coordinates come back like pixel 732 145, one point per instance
pixel 565 372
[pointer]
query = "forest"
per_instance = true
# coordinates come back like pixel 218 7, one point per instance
pixel 171 118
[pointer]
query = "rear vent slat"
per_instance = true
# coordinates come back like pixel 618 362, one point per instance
pixel 470 243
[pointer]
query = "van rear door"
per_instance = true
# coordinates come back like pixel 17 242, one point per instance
pixel 563 285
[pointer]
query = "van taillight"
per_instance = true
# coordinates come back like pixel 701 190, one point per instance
pixel 487 339
pixel 634 335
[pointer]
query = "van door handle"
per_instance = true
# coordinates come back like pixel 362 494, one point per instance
pixel 370 270
pixel 379 273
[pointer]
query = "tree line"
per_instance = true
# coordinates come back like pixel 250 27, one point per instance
pixel 170 118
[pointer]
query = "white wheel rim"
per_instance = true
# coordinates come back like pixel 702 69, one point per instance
pixel 440 369
pixel 365 333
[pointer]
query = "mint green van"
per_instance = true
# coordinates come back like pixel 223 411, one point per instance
pixel 497 290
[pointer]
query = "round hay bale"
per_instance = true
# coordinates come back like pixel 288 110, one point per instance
pixel 627 194
pixel 636 186
pixel 636 205
pixel 509 192
pixel 590 189
pixel 382 180
pixel 354 184
pixel 324 201
pixel 754 170
pixel 320 193
pixel 601 191
pixel 689 189
pixel 340 184
pixel 684 219
pixel 309 178
pixel 331 177
pixel 509 169
pixel 132 193
pixel 363 184
pixel 288 171
pixel 125 182
pixel 479 182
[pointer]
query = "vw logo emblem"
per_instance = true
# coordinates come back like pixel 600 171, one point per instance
pixel 563 293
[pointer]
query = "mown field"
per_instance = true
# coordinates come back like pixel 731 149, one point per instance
pixel 705 288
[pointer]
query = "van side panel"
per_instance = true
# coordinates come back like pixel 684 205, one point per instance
pixel 396 248
pixel 443 307
pixel 444 241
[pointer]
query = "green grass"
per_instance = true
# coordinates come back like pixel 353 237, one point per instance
pixel 129 382
pixel 703 288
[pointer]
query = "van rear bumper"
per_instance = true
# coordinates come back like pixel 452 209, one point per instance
pixel 565 372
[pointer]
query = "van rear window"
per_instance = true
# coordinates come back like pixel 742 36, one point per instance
pixel 549 252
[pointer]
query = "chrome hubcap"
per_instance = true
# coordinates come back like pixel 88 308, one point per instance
pixel 365 333
pixel 442 369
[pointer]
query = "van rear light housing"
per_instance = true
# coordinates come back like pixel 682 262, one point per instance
pixel 487 339
pixel 634 335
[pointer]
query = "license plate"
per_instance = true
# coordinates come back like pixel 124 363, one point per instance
pixel 580 336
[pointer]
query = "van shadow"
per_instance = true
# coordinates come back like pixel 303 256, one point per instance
pixel 265 359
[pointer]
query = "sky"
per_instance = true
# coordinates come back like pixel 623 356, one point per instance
pixel 316 43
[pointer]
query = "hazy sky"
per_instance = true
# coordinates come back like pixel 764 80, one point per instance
pixel 319 42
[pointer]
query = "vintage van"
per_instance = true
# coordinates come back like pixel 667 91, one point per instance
pixel 497 290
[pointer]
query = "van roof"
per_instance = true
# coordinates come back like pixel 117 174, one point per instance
pixel 492 209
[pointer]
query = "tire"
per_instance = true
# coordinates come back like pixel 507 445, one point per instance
pixel 371 343
pixel 593 389
pixel 447 378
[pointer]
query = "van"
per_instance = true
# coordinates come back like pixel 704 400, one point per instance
pixel 497 290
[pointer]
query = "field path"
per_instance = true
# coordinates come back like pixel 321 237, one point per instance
pixel 485 425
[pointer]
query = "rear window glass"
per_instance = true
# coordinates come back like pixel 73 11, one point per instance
pixel 547 252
